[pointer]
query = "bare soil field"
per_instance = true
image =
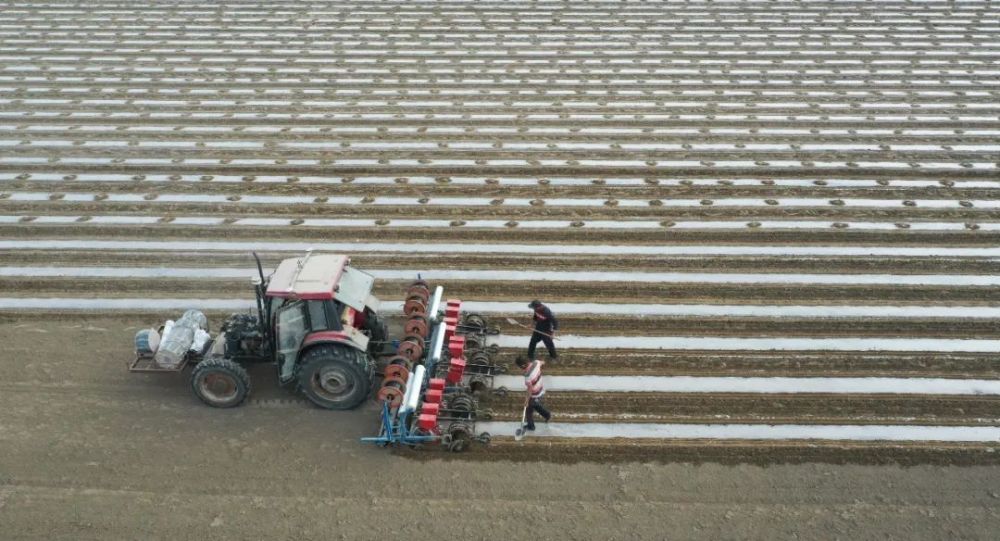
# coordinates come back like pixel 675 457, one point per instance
pixel 774 198
pixel 91 452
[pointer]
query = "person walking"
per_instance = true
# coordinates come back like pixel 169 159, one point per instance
pixel 536 390
pixel 546 326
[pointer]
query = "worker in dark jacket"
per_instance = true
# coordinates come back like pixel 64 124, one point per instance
pixel 546 327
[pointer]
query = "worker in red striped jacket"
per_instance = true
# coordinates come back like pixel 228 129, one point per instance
pixel 536 390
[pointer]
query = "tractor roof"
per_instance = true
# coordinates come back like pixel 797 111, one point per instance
pixel 322 277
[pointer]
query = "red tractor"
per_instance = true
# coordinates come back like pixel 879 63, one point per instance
pixel 316 321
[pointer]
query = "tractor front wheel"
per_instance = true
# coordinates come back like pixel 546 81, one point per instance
pixel 220 383
pixel 335 377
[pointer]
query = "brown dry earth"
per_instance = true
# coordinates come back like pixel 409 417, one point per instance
pixel 91 452
pixel 868 119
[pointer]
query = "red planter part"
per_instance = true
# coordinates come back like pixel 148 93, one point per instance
pixel 430 409
pixel 456 346
pixel 455 370
pixel 427 422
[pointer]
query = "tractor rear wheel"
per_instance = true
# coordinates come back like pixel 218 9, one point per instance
pixel 220 383
pixel 335 377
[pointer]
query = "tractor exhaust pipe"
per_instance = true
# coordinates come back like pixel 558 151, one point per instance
pixel 260 290
pixel 260 268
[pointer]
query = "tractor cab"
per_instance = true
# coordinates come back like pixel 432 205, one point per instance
pixel 318 299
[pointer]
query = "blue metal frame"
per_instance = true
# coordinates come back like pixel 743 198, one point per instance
pixel 397 431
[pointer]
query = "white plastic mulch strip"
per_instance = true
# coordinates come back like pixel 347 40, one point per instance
pixel 470 248
pixel 751 431
pixel 495 202
pixel 762 385
pixel 65 303
pixel 722 310
pixel 677 310
pixel 728 343
pixel 533 276
pixel 501 224
pixel 136 272
pixel 499 180
pixel 390 146
pixel 494 117
pixel 574 105
pixel 424 165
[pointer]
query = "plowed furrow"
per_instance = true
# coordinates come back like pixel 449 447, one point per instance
pixel 730 452
pixel 79 228
pixel 958 267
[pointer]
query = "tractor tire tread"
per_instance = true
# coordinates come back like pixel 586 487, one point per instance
pixel 225 365
pixel 353 357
